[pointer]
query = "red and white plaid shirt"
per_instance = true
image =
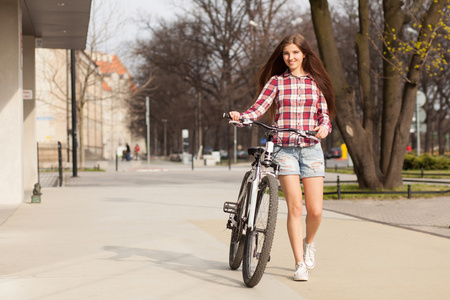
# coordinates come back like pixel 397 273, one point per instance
pixel 300 105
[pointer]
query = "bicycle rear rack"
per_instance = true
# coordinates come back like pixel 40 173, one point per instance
pixel 230 207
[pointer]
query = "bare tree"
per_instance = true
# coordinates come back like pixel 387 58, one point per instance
pixel 436 86
pixel 104 23
pixel 213 57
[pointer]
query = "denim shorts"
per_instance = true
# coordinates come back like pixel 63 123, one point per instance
pixel 306 161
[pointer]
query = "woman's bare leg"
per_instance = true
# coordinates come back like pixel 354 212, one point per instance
pixel 313 187
pixel 290 184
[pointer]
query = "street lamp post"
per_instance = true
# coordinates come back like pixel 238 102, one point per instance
pixel 74 114
pixel 165 136
pixel 147 121
pixel 200 141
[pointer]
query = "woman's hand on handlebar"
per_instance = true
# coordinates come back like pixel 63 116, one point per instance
pixel 322 132
pixel 235 116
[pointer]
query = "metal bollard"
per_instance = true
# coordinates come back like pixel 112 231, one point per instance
pixel 60 169
pixel 338 182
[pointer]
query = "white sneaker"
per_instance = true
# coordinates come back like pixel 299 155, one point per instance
pixel 301 273
pixel 308 254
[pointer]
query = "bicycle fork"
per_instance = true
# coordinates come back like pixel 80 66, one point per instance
pixel 232 207
pixel 253 199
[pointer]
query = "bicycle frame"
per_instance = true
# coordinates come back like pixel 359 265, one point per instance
pixel 259 163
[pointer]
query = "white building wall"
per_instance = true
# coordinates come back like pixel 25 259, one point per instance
pixel 30 169
pixel 11 103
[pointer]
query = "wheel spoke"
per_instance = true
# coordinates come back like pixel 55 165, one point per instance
pixel 259 240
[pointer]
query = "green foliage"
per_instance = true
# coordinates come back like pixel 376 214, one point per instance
pixel 429 45
pixel 426 162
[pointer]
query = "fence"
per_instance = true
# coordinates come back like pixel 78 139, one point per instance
pixel 50 164
pixel 423 174
pixel 408 193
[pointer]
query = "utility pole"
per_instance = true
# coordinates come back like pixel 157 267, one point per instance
pixel 165 136
pixel 200 141
pixel 147 121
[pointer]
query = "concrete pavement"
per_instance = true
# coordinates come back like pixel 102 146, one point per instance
pixel 158 232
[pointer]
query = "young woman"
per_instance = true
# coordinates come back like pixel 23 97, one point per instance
pixel 297 92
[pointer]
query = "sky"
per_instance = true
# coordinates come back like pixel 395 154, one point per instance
pixel 129 30
pixel 126 26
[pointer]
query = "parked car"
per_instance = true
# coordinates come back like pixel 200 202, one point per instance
pixel 176 156
pixel 223 154
pixel 242 154
pixel 208 150
pixel 334 153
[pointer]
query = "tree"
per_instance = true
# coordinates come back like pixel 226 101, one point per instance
pixel 380 168
pixel 212 56
pixel 170 58
pixel 104 23
pixel 436 85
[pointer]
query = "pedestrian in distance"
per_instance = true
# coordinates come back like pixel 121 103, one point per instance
pixel 128 152
pixel 296 92
pixel 136 151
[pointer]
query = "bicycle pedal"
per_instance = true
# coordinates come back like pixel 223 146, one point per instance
pixel 230 207
pixel 229 224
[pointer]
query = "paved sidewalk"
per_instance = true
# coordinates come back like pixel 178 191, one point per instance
pixel 428 215
pixel 158 232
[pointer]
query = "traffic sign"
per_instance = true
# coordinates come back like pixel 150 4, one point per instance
pixel 420 98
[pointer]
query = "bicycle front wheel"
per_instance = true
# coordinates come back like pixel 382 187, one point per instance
pixel 259 240
pixel 237 238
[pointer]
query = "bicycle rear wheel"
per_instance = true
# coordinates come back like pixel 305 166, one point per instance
pixel 237 238
pixel 259 240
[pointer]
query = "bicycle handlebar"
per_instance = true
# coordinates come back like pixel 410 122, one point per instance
pixel 304 133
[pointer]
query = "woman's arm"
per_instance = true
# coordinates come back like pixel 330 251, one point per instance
pixel 262 104
pixel 324 127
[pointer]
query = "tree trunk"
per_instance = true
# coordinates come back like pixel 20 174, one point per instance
pixel 356 137
pixel 392 80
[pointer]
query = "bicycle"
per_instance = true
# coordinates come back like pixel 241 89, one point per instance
pixel 253 216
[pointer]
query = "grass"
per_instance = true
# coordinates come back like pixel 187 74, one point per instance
pixel 345 170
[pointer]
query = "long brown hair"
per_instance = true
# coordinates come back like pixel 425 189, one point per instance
pixel 311 64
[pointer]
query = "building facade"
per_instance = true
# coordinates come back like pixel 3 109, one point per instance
pixel 103 87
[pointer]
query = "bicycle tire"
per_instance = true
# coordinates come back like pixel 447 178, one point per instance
pixel 259 240
pixel 237 238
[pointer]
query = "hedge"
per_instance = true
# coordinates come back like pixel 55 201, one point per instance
pixel 426 162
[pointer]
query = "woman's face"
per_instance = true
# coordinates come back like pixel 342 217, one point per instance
pixel 293 58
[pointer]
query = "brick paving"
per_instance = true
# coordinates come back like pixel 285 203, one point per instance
pixel 425 215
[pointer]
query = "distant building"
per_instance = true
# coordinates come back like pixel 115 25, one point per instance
pixel 117 88
pixel 103 87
